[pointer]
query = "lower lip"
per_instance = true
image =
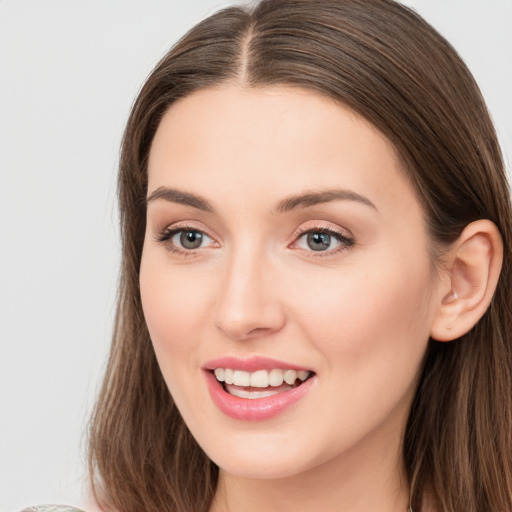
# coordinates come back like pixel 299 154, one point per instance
pixel 254 409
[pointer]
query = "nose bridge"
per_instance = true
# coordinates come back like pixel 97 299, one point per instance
pixel 248 304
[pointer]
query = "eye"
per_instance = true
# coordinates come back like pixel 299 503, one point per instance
pixel 184 239
pixel 323 240
pixel 189 239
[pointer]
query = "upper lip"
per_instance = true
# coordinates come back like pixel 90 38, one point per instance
pixel 251 364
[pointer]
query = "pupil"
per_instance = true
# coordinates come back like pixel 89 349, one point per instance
pixel 319 241
pixel 191 239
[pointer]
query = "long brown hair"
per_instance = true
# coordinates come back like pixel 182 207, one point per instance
pixel 386 63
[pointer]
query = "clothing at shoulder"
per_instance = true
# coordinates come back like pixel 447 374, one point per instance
pixel 52 508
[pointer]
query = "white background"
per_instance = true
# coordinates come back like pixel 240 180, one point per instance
pixel 69 71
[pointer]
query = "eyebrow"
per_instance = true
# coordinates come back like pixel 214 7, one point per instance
pixel 305 200
pixel 309 199
pixel 177 196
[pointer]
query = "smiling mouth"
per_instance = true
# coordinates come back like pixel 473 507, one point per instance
pixel 261 383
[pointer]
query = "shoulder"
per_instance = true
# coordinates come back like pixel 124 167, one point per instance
pixel 52 508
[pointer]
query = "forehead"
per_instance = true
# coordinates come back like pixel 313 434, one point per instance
pixel 270 141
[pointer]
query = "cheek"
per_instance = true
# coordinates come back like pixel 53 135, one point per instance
pixel 173 303
pixel 173 310
pixel 354 313
pixel 372 331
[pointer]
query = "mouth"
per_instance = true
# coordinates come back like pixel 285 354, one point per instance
pixel 256 389
pixel 260 383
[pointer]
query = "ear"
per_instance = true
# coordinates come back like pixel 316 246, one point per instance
pixel 468 282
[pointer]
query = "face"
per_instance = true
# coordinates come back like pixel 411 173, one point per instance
pixel 284 242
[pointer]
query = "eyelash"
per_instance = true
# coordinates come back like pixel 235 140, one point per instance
pixel 346 242
pixel 167 235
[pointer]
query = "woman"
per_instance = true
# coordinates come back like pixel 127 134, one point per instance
pixel 314 309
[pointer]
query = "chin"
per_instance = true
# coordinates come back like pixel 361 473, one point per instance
pixel 261 468
pixel 265 455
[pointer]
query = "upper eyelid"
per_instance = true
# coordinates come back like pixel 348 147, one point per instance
pixel 175 230
pixel 186 226
pixel 324 228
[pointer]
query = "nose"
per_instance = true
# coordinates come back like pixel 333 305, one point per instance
pixel 249 303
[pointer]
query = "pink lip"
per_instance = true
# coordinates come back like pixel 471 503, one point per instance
pixel 251 364
pixel 254 409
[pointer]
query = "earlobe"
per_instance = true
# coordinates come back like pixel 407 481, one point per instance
pixel 472 269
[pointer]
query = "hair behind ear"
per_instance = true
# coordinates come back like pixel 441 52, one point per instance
pixel 461 417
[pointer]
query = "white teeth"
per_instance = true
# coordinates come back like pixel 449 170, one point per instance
pixel 290 376
pixel 228 376
pixel 260 378
pixel 243 393
pixel 303 375
pixel 242 378
pixel 275 377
